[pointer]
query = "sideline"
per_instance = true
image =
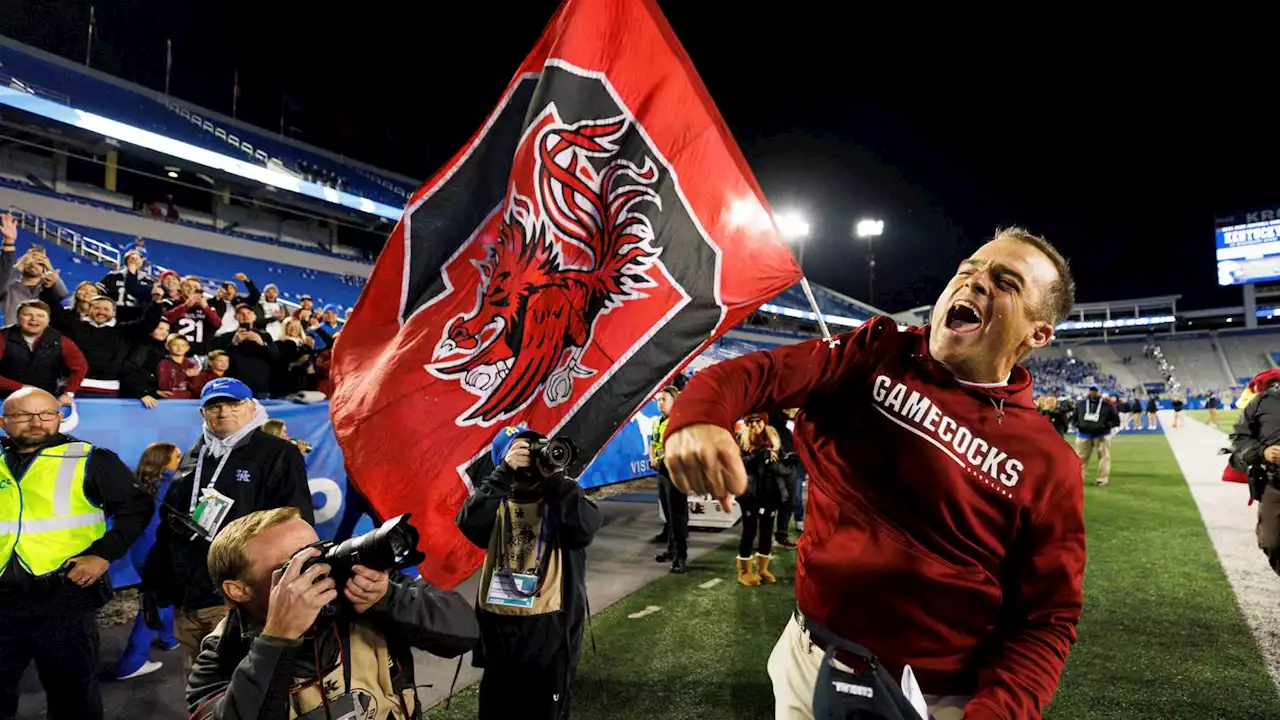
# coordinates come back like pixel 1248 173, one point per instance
pixel 1230 522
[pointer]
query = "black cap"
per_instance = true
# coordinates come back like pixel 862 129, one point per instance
pixel 1093 388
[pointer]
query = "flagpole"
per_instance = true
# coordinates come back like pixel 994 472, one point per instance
pixel 808 293
pixel 168 64
pixel 282 97
pixel 235 92
pixel 88 43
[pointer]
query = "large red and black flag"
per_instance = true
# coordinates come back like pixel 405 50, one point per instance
pixel 595 234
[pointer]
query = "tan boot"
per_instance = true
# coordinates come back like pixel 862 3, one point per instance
pixel 746 575
pixel 762 569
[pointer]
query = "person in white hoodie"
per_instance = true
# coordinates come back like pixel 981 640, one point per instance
pixel 271 312
pixel 234 469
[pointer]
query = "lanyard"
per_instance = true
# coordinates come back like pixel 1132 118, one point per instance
pixel 195 484
pixel 1092 415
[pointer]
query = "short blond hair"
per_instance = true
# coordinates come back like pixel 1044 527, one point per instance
pixel 227 559
pixel 1060 296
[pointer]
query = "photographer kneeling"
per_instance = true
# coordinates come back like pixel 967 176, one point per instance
pixel 536 524
pixel 280 653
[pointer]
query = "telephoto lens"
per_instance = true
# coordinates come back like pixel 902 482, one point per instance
pixel 394 546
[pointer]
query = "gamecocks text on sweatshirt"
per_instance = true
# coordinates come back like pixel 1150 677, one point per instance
pixel 916 412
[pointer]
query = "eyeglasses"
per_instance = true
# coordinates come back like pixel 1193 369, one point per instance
pixel 28 417
pixel 219 408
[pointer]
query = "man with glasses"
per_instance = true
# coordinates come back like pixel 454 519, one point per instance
pixel 56 494
pixel 233 470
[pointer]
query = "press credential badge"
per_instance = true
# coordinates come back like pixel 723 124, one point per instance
pixel 212 510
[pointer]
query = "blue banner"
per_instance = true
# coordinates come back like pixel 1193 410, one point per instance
pixel 626 457
pixel 127 428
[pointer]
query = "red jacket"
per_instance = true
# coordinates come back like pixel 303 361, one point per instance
pixel 944 528
pixel 173 378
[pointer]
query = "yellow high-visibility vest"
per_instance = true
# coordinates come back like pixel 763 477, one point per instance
pixel 656 441
pixel 47 519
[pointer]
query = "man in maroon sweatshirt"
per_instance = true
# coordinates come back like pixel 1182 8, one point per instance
pixel 944 529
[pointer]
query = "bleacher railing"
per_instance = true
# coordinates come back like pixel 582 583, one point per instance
pixel 74 240
pixel 108 254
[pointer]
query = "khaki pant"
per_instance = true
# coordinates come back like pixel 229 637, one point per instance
pixel 1085 448
pixel 191 626
pixel 793 668
pixel 1269 525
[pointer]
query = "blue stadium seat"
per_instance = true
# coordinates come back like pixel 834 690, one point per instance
pixel 326 288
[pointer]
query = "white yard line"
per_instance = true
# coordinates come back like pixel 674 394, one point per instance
pixel 711 583
pixel 647 611
pixel 1230 522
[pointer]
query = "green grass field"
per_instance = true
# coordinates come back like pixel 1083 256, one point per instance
pixel 1226 418
pixel 1161 636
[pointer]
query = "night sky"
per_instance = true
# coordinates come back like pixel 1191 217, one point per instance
pixel 1119 146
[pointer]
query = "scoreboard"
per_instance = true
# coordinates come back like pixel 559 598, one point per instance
pixel 1248 253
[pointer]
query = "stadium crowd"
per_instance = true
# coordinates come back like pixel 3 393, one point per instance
pixel 132 335
pixel 1066 375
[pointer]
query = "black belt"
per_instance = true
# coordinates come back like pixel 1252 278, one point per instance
pixel 840 695
pixel 822 638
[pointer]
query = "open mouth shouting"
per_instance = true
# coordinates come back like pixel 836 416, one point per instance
pixel 963 317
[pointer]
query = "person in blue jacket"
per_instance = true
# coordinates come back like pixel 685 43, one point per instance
pixel 154 472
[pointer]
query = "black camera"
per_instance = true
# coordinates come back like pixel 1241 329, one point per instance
pixel 555 455
pixel 394 546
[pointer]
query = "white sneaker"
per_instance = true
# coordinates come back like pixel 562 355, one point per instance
pixel 147 668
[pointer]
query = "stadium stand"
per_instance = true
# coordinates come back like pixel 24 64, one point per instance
pixel 58 80
pixel 1056 370
pixel 1110 358
pixel 1249 353
pixel 135 225
pixel 1195 362
pixel 100 199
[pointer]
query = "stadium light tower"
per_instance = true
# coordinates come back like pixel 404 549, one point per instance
pixel 795 228
pixel 870 229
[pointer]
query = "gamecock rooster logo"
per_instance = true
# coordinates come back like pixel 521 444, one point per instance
pixel 579 249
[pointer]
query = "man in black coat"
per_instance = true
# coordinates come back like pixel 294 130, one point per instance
pixel 1255 449
pixel 138 377
pixel 105 340
pixel 234 469
pixel 228 297
pixel 1095 419
pixel 536 524
pixel 253 353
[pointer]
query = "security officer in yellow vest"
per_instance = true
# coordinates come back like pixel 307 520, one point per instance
pixel 675 504
pixel 56 494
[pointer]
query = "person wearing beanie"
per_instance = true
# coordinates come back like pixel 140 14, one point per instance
pixel 271 312
pixel 536 524
pixel 171 285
